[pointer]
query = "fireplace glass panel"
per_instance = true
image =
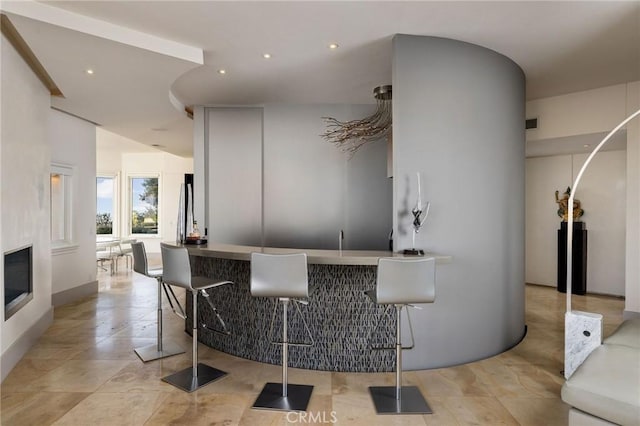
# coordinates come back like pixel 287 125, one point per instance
pixel 18 280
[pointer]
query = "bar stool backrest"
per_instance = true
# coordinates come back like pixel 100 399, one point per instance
pixel 403 281
pixel 140 264
pixel 175 266
pixel 279 275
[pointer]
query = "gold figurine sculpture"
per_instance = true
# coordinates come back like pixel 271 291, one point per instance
pixel 563 209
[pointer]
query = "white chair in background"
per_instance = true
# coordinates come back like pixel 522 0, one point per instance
pixel 126 251
pixel 107 251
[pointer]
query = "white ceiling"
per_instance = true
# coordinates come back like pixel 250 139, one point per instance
pixel 580 144
pixel 145 52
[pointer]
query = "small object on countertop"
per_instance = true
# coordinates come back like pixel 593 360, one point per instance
pixel 413 252
pixel 196 232
pixel 195 240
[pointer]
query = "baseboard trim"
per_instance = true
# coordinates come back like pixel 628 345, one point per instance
pixel 630 314
pixel 71 295
pixel 21 346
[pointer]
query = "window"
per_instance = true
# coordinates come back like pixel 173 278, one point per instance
pixel 144 205
pixel 61 179
pixel 105 204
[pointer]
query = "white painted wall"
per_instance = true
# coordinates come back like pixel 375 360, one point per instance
pixel 114 158
pixel 596 111
pixel 544 175
pixel 24 187
pixel 579 113
pixel 602 192
pixel 73 143
pixel 632 286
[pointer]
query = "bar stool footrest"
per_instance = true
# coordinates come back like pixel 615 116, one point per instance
pixel 411 400
pixel 271 397
pixel 208 329
pixel 389 348
pixel 151 352
pixel 303 344
pixel 184 379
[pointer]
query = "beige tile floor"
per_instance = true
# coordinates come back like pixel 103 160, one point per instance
pixel 83 371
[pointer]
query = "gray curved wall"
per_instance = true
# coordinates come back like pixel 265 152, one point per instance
pixel 458 114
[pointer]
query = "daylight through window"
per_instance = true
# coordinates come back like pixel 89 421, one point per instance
pixel 104 205
pixel 144 205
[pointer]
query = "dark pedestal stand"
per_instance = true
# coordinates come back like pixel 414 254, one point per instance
pixel 579 262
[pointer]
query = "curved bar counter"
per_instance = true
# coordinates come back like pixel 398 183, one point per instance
pixel 340 317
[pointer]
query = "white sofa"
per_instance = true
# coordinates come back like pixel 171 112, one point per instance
pixel 605 389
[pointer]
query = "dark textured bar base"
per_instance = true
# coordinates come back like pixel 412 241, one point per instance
pixel 335 299
pixel 411 400
pixel 184 379
pixel 151 352
pixel 413 252
pixel 271 397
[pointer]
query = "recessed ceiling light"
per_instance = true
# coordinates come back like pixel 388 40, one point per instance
pixel 586 145
pixel 158 129
pixel 266 55
pixel 156 145
pixel 222 71
pixel 89 71
pixel 333 46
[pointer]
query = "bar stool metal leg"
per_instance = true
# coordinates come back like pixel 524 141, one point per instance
pixel 285 348
pixel 284 396
pixel 198 375
pixel 399 399
pixel 159 349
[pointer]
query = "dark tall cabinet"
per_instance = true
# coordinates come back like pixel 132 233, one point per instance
pixel 579 263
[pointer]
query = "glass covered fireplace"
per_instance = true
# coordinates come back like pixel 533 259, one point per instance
pixel 18 279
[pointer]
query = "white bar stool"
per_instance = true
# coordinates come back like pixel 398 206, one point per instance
pixel 283 276
pixel 177 271
pixel 400 283
pixel 160 349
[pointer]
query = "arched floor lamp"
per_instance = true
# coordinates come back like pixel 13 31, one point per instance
pixel 582 330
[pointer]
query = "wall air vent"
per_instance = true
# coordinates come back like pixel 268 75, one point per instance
pixel 531 123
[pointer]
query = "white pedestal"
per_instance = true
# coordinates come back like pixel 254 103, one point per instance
pixel 582 334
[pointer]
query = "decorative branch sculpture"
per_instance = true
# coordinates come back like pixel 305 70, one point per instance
pixel 349 136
